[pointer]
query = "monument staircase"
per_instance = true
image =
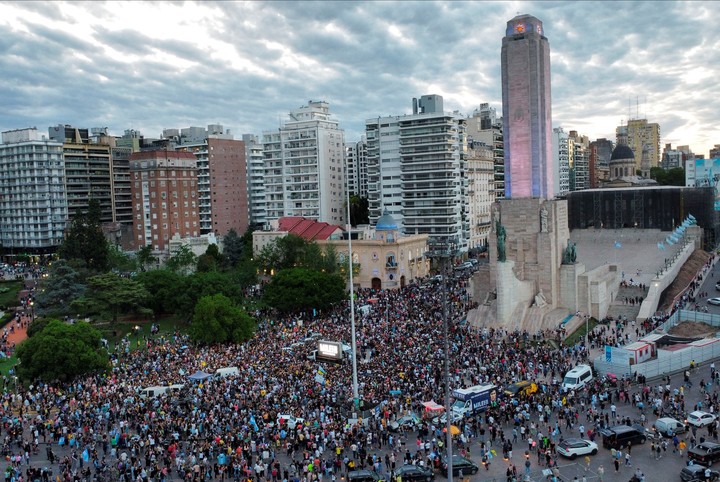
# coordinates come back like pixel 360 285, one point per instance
pixel 619 309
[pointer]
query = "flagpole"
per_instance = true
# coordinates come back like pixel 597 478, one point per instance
pixel 353 352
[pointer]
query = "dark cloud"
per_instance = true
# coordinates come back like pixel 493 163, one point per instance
pixel 151 66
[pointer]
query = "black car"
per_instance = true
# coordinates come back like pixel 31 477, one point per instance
pixel 364 476
pixel 621 435
pixel 696 473
pixel 414 473
pixel 459 463
pixel 705 453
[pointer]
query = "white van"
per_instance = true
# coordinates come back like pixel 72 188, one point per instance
pixel 227 372
pixel 577 378
pixel 152 392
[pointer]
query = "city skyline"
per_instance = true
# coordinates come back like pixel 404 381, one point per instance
pixel 247 65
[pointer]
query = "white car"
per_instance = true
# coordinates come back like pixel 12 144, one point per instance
pixel 700 419
pixel 713 301
pixel 572 447
pixel 289 421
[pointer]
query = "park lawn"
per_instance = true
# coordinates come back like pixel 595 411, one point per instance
pixel 9 292
pixel 114 333
pixel 579 334
pixel 6 364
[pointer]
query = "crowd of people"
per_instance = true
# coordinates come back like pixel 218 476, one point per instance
pixel 229 428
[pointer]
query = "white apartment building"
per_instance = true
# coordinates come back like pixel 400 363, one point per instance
pixel 480 194
pixel 416 170
pixel 255 179
pixel 33 199
pixel 579 158
pixel 356 159
pixel 304 164
pixel 561 160
pixel 485 127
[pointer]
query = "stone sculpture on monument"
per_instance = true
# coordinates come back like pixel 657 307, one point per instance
pixel 500 230
pixel 570 255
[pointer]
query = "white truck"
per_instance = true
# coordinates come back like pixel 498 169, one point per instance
pixel 472 400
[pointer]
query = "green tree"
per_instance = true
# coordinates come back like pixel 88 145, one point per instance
pixel 359 210
pixel 119 261
pixel 111 294
pixel 37 325
pixel 60 352
pixel 200 284
pixel 85 240
pixel 302 289
pixel 218 320
pixel 163 287
pixel 211 260
pixel 233 247
pixel 145 258
pixel 61 288
pixel 182 261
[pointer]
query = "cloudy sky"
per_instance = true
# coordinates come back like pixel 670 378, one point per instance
pixel 149 66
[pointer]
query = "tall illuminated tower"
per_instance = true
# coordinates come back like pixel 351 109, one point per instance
pixel 527 119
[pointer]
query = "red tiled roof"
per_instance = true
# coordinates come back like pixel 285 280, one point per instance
pixel 307 228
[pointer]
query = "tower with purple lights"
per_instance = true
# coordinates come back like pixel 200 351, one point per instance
pixel 527 116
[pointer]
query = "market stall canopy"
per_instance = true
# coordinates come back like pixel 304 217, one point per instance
pixel 431 406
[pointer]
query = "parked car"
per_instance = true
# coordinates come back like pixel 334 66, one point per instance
pixel 520 389
pixel 700 419
pixel 668 427
pixel 459 463
pixel 717 286
pixel 706 453
pixel 713 301
pixel 572 447
pixel 364 476
pixel 620 435
pixel 289 421
pixel 414 473
pixel 406 422
pixel 696 473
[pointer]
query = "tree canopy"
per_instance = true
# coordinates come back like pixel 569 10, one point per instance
pixel 61 288
pixel 85 240
pixel 111 294
pixel 303 289
pixel 182 261
pixel 359 210
pixel 218 320
pixel 292 251
pixel 60 352
pixel 669 177
pixel 164 288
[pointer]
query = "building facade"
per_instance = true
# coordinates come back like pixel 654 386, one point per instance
pixel 304 166
pixel 88 169
pixel 639 134
pixel 579 159
pixel 486 127
pixel 33 201
pixel 561 161
pixel 356 158
pixel 481 193
pixel 165 197
pixel 527 115
pixel 416 171
pixel 255 180
pixel 600 153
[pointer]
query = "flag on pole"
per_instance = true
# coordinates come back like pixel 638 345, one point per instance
pixel 661 246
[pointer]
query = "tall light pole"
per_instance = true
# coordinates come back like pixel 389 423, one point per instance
pixel 443 251
pixel 353 352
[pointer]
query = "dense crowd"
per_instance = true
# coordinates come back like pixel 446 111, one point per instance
pixel 228 428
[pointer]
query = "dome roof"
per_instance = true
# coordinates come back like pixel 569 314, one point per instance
pixel 386 222
pixel 622 151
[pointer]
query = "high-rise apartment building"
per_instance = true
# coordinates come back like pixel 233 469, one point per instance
pixel 416 169
pixel 356 159
pixel 486 127
pixel 121 192
pixel 221 176
pixel 255 180
pixel 304 166
pixel 165 197
pixel 579 159
pixel 33 202
pixel 481 192
pixel 527 116
pixel 88 169
pixel 639 134
pixel 671 158
pixel 561 161
pixel 714 152
pixel 600 154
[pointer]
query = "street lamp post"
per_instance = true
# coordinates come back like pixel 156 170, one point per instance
pixel 444 251
pixel 353 352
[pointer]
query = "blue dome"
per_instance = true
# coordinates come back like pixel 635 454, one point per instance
pixel 386 223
